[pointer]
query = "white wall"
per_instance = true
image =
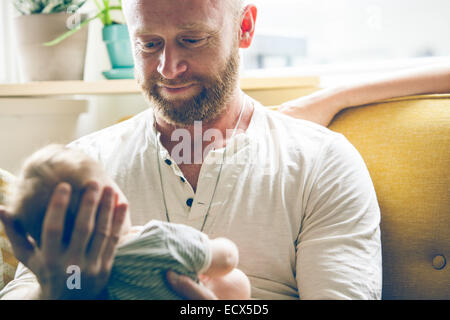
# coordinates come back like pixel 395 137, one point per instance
pixel 27 124
pixel 104 111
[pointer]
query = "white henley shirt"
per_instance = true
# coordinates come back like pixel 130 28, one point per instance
pixel 295 197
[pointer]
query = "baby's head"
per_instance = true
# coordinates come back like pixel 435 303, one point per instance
pixel 41 173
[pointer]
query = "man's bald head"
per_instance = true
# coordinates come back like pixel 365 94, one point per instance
pixel 235 6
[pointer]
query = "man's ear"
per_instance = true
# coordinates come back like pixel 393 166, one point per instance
pixel 247 29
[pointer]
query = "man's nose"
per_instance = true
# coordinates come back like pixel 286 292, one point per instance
pixel 171 64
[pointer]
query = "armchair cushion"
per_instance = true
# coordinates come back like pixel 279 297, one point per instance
pixel 405 143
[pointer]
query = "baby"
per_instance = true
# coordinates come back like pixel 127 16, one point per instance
pixel 144 253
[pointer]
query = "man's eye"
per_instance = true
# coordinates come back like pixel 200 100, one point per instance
pixel 151 46
pixel 193 42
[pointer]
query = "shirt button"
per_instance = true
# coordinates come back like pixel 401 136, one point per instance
pixel 189 202
pixel 168 162
pixel 182 179
pixel 439 262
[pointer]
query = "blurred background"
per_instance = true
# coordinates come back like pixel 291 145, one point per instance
pixel 335 38
pixel 337 31
pixel 306 37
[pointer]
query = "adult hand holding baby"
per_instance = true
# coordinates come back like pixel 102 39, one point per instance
pixel 91 246
pixel 188 288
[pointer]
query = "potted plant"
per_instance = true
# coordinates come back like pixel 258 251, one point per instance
pixel 116 37
pixel 41 21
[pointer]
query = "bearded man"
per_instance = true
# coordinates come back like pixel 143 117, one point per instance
pixel 295 197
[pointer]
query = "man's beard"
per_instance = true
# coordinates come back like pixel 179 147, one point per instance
pixel 205 106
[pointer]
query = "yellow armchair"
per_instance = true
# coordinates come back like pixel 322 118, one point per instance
pixel 405 143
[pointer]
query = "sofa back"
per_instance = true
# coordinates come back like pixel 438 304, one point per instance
pixel 405 143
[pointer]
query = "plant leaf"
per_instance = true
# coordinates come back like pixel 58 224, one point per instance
pixel 74 30
pixel 70 32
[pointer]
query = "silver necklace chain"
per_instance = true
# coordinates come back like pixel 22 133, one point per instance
pixel 218 176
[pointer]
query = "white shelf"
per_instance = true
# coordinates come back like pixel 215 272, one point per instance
pixel 62 88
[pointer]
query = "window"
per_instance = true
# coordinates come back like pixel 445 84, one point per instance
pixel 300 34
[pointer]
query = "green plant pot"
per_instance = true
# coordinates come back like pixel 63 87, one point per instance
pixel 118 44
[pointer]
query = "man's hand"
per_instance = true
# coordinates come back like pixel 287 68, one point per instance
pixel 92 245
pixel 188 289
